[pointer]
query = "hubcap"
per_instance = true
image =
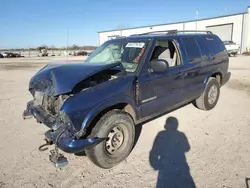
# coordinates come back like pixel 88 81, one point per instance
pixel 212 94
pixel 115 139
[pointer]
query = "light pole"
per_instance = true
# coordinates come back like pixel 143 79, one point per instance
pixel 197 17
pixel 67 44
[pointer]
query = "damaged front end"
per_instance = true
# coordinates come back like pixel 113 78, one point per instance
pixel 50 93
pixel 61 132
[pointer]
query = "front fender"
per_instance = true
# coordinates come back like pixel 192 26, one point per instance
pixel 86 104
pixel 106 104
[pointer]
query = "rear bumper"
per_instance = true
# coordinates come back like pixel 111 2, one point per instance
pixel 59 133
pixel 226 78
pixel 232 51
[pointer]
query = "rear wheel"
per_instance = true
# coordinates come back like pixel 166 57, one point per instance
pixel 210 95
pixel 118 129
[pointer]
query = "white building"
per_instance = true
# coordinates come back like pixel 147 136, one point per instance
pixel 235 27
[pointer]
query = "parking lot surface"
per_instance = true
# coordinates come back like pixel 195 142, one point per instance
pixel 213 147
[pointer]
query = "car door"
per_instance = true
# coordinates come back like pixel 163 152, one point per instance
pixel 159 92
pixel 196 60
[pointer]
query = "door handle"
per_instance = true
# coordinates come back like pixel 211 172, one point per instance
pixel 181 76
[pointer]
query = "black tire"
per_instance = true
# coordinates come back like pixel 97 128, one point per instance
pixel 203 102
pixel 99 153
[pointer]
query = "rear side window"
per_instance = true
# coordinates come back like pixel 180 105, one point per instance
pixel 192 49
pixel 213 44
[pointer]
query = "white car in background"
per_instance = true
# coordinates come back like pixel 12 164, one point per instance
pixel 5 54
pixel 232 47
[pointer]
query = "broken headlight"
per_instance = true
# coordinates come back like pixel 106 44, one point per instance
pixel 38 96
pixel 67 122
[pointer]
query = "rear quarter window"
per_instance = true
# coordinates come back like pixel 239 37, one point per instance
pixel 213 44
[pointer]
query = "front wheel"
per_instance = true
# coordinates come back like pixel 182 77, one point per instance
pixel 210 95
pixel 119 130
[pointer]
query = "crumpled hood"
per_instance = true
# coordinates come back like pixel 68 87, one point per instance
pixel 57 79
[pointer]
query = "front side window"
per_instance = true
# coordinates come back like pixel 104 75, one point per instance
pixel 129 53
pixel 192 49
pixel 166 50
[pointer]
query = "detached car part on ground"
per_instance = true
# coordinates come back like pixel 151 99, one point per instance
pixel 93 107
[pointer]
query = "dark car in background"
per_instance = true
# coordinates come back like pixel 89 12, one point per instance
pixel 93 107
pixel 11 55
pixel 17 55
pixel 1 55
pixel 81 53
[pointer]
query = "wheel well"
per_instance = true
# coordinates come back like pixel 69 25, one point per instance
pixel 120 106
pixel 218 76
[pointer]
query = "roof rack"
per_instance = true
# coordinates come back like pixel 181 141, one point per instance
pixel 171 32
pixel 195 31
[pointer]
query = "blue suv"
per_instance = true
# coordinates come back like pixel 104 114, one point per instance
pixel 94 106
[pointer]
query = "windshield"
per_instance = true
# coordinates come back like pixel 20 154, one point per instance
pixel 129 53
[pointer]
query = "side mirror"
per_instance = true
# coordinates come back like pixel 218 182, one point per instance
pixel 159 65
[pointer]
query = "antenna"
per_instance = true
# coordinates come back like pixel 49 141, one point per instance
pixel 197 18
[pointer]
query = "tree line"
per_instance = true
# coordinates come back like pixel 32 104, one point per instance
pixel 52 47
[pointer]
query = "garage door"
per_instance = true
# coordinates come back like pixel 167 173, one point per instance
pixel 223 31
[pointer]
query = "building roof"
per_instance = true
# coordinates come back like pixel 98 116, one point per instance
pixel 174 22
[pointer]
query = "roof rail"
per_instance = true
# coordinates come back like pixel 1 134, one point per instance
pixel 195 31
pixel 152 32
pixel 171 32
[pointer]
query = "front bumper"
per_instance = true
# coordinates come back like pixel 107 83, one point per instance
pixel 69 144
pixel 59 133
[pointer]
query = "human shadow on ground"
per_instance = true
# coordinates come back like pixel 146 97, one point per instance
pixel 247 180
pixel 168 157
